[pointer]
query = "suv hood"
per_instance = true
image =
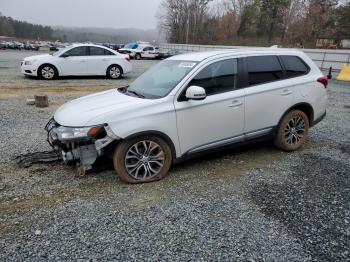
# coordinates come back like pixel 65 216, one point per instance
pixel 82 111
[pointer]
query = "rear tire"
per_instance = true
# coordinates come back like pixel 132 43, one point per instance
pixel 143 159
pixel 292 131
pixel 138 57
pixel 114 72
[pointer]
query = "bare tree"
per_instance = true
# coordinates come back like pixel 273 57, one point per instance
pixel 183 20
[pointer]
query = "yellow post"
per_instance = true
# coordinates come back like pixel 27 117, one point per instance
pixel 344 73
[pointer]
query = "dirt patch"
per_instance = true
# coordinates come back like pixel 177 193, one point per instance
pixel 6 93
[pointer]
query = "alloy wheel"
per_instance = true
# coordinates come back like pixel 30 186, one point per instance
pixel 294 130
pixel 144 160
pixel 114 72
pixel 47 72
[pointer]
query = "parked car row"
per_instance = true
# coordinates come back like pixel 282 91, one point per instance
pixel 137 50
pixel 143 50
pixel 18 45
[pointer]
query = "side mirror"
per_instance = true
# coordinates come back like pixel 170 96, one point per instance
pixel 64 55
pixel 195 93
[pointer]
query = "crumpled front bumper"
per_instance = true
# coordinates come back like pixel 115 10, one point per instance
pixel 84 151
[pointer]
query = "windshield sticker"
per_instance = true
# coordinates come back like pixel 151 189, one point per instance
pixel 187 64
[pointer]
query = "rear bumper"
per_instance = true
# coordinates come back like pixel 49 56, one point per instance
pixel 127 68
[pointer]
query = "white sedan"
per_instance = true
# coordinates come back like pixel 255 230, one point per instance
pixel 78 60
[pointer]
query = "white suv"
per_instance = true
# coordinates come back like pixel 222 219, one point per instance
pixel 190 104
pixel 140 51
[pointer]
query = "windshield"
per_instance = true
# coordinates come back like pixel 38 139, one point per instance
pixel 158 81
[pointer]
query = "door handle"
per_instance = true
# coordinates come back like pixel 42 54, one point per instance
pixel 286 92
pixel 236 103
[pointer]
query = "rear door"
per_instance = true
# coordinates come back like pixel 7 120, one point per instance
pixel 99 60
pixel 74 61
pixel 268 93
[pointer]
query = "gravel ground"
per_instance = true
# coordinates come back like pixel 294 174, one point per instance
pixel 251 203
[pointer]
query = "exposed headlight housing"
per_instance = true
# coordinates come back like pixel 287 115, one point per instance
pixel 73 133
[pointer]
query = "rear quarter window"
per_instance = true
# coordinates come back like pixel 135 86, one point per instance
pixel 294 66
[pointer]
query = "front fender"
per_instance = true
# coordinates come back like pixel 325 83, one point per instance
pixel 163 125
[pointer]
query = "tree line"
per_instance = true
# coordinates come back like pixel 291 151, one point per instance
pixel 14 28
pixel 254 22
pixel 19 29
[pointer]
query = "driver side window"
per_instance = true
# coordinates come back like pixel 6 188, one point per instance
pixel 219 77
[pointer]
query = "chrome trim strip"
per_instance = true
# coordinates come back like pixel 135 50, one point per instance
pixel 217 143
pixel 231 140
pixel 258 133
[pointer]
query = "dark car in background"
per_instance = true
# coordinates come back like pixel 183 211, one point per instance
pixel 113 46
pixel 31 47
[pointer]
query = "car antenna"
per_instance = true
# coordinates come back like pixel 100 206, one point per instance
pixel 329 76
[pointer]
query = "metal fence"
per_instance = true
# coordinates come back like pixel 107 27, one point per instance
pixel 324 58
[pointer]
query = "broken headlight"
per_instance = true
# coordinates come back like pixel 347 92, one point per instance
pixel 72 133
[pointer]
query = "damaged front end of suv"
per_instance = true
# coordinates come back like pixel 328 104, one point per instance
pixel 79 145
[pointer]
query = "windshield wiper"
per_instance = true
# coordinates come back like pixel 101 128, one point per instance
pixel 135 93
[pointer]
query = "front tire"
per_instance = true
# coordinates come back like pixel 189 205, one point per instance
pixel 292 131
pixel 47 72
pixel 138 57
pixel 141 160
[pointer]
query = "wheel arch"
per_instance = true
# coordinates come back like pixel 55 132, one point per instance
pixel 49 64
pixel 158 134
pixel 304 107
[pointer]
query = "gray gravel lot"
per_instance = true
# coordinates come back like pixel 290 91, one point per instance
pixel 250 203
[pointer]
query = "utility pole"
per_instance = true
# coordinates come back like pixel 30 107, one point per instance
pixel 187 22
pixel 187 27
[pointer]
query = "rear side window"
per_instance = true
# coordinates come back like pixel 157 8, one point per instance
pixel 218 77
pixel 108 52
pixel 97 51
pixel 294 66
pixel 263 69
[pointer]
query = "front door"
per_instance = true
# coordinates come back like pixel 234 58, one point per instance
pixel 219 118
pixel 74 61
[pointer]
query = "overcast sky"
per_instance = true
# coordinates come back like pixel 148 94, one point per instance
pixel 84 13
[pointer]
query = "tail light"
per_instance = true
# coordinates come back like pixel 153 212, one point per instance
pixel 324 81
pixel 127 58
